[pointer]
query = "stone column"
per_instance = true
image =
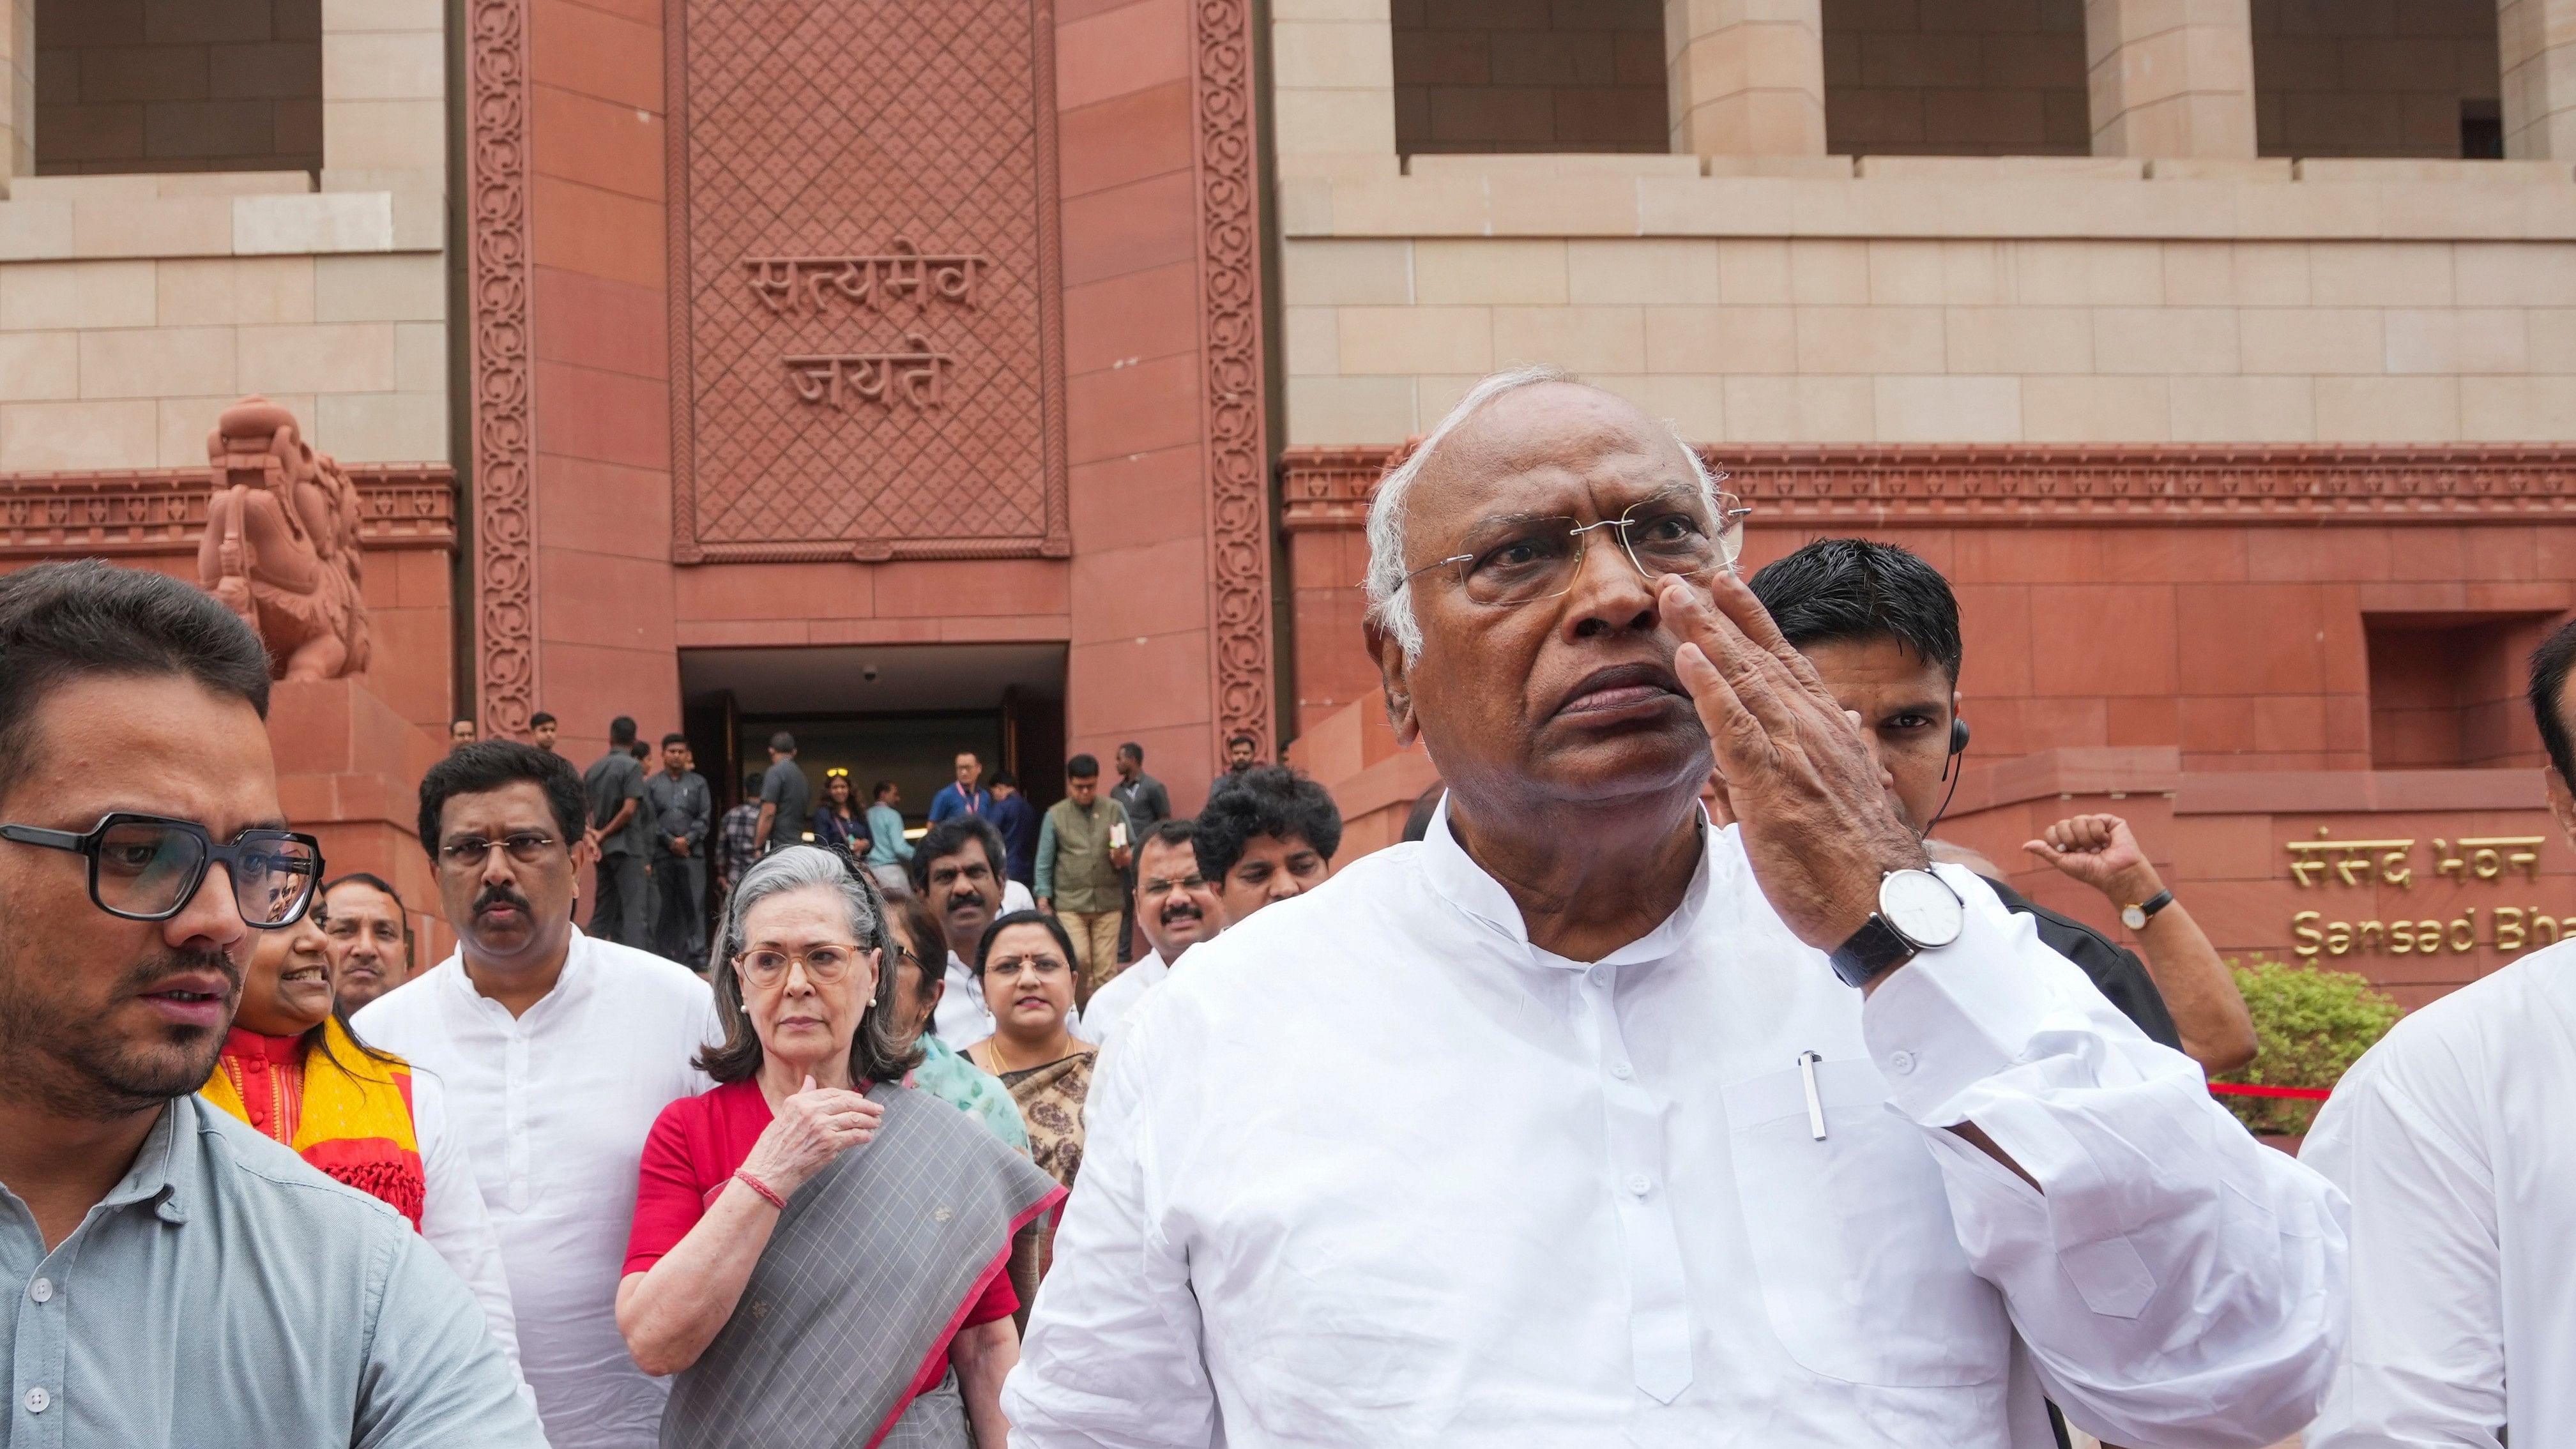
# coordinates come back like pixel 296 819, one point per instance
pixel 1745 77
pixel 1333 87
pixel 2170 77
pixel 2536 44
pixel 18 88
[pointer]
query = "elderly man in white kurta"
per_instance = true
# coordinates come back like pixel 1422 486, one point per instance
pixel 2452 1137
pixel 1583 1122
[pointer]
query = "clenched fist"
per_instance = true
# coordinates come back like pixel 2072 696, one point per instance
pixel 2099 851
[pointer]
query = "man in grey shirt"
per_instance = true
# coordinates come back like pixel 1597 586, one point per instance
pixel 681 808
pixel 174 1277
pixel 614 784
pixel 785 797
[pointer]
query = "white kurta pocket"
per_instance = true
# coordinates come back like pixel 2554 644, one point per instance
pixel 1862 1273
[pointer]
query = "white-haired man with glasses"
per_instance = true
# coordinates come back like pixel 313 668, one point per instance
pixel 558 1051
pixel 175 1277
pixel 1583 1121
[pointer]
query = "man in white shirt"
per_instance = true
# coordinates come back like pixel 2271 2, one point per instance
pixel 1583 1123
pixel 556 1052
pixel 1175 908
pixel 2451 1137
pixel 957 870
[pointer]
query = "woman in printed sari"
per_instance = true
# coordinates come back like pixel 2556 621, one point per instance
pixel 819 1254
pixel 292 1068
pixel 1026 964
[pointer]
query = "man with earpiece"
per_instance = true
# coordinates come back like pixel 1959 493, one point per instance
pixel 1882 628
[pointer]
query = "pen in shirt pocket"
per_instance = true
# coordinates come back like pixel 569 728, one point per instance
pixel 1815 1101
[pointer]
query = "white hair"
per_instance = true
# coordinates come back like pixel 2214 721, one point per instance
pixel 1390 598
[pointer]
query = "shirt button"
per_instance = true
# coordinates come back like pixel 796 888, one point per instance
pixel 38 1401
pixel 1621 1070
pixel 1903 1062
pixel 1598 975
pixel 1640 1184
pixel 42 1290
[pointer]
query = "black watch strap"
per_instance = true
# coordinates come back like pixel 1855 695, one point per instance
pixel 2155 903
pixel 1873 948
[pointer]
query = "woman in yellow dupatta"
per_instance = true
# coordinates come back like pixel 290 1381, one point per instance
pixel 292 1069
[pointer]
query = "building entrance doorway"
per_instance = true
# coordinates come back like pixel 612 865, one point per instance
pixel 895 712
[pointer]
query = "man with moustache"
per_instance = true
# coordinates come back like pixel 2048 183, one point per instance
pixel 1585 1122
pixel 957 869
pixel 558 1052
pixel 1175 908
pixel 370 954
pixel 175 1277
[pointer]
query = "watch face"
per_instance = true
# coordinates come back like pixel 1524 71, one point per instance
pixel 1921 906
pixel 2133 917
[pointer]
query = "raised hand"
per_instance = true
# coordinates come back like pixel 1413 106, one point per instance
pixel 1799 778
pixel 2099 851
pixel 813 1126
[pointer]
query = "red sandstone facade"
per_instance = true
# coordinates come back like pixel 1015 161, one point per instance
pixel 899 375
pixel 808 333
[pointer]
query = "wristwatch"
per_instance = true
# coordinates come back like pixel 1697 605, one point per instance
pixel 1917 911
pixel 2135 916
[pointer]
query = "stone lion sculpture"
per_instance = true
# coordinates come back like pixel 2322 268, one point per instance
pixel 281 545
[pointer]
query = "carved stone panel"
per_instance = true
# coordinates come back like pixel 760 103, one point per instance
pixel 865 300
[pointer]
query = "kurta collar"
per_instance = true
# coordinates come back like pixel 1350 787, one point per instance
pixel 247 1045
pixel 568 982
pixel 1464 885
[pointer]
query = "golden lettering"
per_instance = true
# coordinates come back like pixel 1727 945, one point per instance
pixel 2428 937
pixel 2305 938
pixel 2371 937
pixel 2401 938
pixel 2543 926
pixel 2464 931
pixel 2351 860
pixel 2508 928
pixel 2338 937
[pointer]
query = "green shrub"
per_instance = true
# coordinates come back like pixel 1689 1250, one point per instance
pixel 2310 1026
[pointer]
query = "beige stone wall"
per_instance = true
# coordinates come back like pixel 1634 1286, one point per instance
pixel 1528 75
pixel 1935 299
pixel 135 307
pixel 1956 78
pixel 177 85
pixel 2371 77
pixel 120 346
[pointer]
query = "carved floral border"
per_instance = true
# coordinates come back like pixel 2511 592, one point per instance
pixel 2017 484
pixel 499 266
pixel 162 511
pixel 1229 205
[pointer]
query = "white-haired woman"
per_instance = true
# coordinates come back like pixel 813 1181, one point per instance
pixel 819 1254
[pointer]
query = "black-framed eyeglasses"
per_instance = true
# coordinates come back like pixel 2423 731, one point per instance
pixel 148 867
pixel 1524 560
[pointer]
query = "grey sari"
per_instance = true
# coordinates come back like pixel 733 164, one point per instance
pixel 872 1266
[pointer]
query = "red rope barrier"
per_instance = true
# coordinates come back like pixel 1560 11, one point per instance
pixel 2248 1089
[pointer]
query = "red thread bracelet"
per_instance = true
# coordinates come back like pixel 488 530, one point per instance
pixel 743 1176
